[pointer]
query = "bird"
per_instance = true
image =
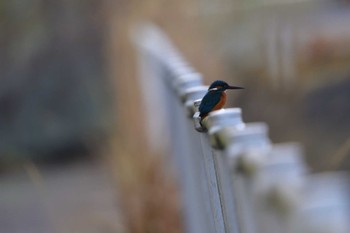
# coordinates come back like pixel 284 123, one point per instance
pixel 215 98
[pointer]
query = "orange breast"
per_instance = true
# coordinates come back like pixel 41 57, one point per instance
pixel 221 102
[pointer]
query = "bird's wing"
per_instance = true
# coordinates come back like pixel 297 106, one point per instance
pixel 209 101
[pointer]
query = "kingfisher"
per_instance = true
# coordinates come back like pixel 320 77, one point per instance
pixel 215 98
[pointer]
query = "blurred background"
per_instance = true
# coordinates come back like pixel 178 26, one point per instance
pixel 74 152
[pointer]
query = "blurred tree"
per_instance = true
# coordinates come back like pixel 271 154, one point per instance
pixel 54 92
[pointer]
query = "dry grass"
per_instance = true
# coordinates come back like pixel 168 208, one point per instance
pixel 148 196
pixel 339 157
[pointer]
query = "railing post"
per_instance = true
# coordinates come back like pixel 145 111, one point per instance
pixel 208 176
pixel 277 185
pixel 216 122
pixel 161 71
pixel 243 150
pixel 184 147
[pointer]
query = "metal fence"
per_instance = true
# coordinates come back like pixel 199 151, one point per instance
pixel 232 178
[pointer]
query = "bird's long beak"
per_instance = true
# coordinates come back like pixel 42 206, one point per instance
pixel 234 87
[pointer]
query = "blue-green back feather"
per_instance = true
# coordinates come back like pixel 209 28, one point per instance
pixel 209 101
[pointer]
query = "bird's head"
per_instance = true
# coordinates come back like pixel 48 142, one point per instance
pixel 220 85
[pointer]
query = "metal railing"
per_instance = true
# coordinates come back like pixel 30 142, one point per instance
pixel 233 179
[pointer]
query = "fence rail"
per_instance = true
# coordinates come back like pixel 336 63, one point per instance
pixel 233 179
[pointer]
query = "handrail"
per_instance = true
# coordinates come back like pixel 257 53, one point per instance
pixel 232 178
